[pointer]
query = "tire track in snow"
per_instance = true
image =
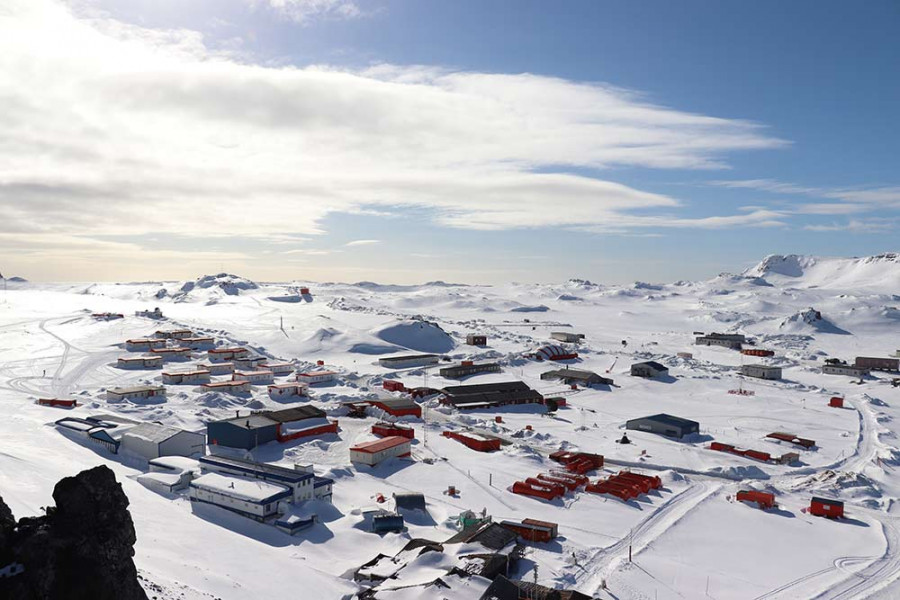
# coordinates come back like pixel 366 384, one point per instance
pixel 643 534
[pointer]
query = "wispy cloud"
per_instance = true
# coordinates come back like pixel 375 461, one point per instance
pixel 110 129
pixel 873 225
pixel 362 242
pixel 303 11
pixel 848 200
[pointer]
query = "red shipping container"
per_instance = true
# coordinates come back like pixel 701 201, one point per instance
pixel 522 488
pixel 763 499
pixel 392 385
pixel 836 402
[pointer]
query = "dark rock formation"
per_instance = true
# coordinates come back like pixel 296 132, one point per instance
pixel 81 549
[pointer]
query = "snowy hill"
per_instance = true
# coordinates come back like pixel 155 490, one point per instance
pixel 881 272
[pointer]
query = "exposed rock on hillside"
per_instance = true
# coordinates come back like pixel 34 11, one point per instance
pixel 81 549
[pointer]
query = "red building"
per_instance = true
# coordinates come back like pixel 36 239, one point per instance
pixel 57 402
pixel 388 429
pixel 392 385
pixel 306 428
pixel 762 499
pixel 533 530
pixel 823 507
pixel 474 441
pixel 578 462
pixel 757 352
pixel 793 439
pixel 836 402
pixel 537 491
pixel 398 407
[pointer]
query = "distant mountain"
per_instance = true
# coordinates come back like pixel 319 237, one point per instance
pixel 874 273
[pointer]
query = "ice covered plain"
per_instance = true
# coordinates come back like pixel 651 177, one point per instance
pixel 691 540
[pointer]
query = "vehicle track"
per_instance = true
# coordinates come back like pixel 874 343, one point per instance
pixel 654 525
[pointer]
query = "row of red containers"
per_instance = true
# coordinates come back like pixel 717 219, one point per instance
pixel 754 454
pixel 757 352
pixel 549 485
pixel 578 462
pixel 625 485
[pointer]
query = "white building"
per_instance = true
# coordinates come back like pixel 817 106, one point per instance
pixel 409 361
pixel 186 377
pixel 761 371
pixel 252 498
pixel 198 343
pixel 372 453
pixel 279 368
pixel 144 344
pixel 172 353
pixel 229 387
pixel 139 362
pixel 316 377
pixel 170 473
pixel 249 363
pixel 152 440
pixel 254 377
pixel 174 334
pixel 851 370
pixel 301 482
pixel 135 393
pixel 221 368
pixel 566 336
pixel 150 314
pixel 226 354
pixel 286 390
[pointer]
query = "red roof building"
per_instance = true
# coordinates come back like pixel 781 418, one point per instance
pixel 372 453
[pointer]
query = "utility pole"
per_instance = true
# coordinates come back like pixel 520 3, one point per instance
pixel 630 542
pixel 425 425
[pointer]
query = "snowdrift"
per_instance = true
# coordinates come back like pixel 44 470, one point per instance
pixel 421 336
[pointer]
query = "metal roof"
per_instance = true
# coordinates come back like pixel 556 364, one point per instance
pixel 653 365
pixel 263 470
pixel 481 388
pixel 668 420
pixel 410 501
pixel 138 388
pixel 297 413
pixel 379 445
pixel 395 402
pixel 250 422
pixel 489 535
pixel 153 432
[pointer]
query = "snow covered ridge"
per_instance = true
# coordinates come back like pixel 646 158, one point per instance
pixel 880 272
pixel 230 284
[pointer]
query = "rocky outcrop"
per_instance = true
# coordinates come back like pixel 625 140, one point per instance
pixel 81 549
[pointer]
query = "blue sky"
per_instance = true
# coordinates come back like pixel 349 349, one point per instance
pixel 467 141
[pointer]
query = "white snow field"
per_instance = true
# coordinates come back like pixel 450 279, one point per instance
pixel 691 539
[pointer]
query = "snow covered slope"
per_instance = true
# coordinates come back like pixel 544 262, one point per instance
pixel 689 535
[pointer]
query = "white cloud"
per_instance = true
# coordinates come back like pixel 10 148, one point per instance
pixel 362 242
pixel 302 11
pixel 871 225
pixel 852 200
pixel 112 129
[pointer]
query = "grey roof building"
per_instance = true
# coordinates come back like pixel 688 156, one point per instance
pixel 761 371
pixel 490 394
pixel 257 428
pixel 851 370
pixel 464 370
pixel 570 376
pixel 152 440
pixel 649 368
pixel 409 360
pixel 664 424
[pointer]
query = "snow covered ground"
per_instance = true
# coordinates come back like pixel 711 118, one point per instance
pixel 689 540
